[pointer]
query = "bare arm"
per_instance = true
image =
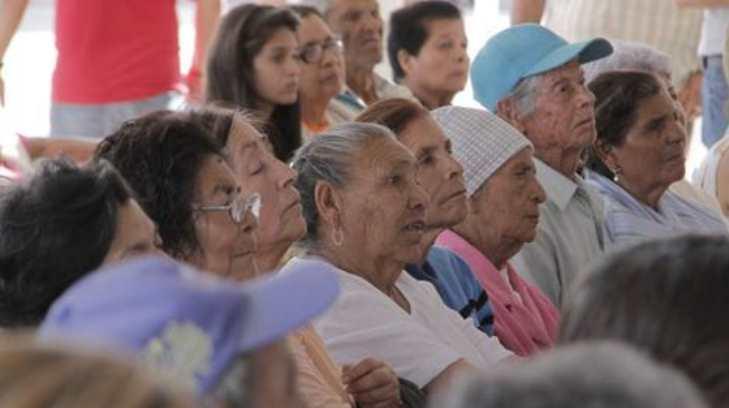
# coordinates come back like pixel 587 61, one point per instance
pixel 445 378
pixel 207 15
pixel 527 11
pixel 702 3
pixel 11 14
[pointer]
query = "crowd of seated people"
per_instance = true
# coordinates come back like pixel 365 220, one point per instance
pixel 313 235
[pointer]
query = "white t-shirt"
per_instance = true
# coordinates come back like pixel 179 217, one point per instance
pixel 364 322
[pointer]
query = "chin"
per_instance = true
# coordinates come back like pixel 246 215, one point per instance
pixel 244 267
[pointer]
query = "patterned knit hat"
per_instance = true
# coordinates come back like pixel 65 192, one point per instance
pixel 481 141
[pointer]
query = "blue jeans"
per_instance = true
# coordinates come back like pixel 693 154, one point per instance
pixel 98 121
pixel 714 96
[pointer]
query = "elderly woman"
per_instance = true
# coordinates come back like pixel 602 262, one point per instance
pixel 668 298
pixel 281 224
pixel 184 184
pixel 365 214
pixel 503 213
pixel 322 73
pixel 638 153
pixel 442 179
pixel 629 56
pixel 59 225
pixel 427 49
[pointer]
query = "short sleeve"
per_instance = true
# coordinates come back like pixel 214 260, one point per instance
pixel 364 323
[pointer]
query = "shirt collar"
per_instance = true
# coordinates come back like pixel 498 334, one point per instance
pixel 559 189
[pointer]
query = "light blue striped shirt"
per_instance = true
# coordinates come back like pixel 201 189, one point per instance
pixel 629 221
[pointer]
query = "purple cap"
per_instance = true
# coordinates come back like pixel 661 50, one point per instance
pixel 187 324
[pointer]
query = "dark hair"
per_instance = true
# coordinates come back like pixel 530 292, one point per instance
pixel 231 77
pixel 618 97
pixel 395 113
pixel 54 229
pixel 669 298
pixel 408 29
pixel 160 155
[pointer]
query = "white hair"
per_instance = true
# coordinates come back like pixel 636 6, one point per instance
pixel 593 374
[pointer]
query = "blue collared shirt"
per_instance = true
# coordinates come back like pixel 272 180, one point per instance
pixel 629 221
pixel 456 285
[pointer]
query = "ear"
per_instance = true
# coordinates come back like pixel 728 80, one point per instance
pixel 507 111
pixel 405 60
pixel 606 153
pixel 328 203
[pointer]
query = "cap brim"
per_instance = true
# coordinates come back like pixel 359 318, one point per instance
pixel 584 52
pixel 283 302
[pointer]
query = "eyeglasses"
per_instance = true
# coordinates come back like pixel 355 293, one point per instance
pixel 313 53
pixel 238 208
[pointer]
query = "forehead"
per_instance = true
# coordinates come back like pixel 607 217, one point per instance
pixel 283 37
pixel 312 28
pixel 382 155
pixel 242 134
pixel 656 105
pixel 348 6
pixel 570 70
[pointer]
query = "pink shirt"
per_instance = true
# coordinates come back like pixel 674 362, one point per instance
pixel 115 51
pixel 525 320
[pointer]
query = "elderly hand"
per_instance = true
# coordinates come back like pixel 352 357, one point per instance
pixel 373 384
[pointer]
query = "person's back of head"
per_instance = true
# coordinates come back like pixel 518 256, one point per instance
pixel 38 376
pixel 54 228
pixel 668 298
pixel 590 375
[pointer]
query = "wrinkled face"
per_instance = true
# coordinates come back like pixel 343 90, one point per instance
pixel 276 69
pixel 360 25
pixel 653 152
pixel 227 249
pixel 383 207
pixel 323 77
pixel 136 234
pixel 440 175
pixel 564 117
pixel 442 63
pixel 508 203
pixel 257 170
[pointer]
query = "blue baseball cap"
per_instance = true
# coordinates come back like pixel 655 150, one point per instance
pixel 186 325
pixel 522 51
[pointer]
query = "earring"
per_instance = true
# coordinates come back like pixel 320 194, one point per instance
pixel 616 173
pixel 338 237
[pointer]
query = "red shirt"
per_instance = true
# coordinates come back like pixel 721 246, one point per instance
pixel 115 51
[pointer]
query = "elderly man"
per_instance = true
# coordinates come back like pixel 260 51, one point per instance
pixel 360 26
pixel 532 78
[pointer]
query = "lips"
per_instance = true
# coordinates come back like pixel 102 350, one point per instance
pixel 584 122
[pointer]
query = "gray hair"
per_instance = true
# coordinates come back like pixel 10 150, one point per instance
pixel 629 56
pixel 328 158
pixel 524 94
pixel 587 375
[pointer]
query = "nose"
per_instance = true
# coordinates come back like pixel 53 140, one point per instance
pixel 455 170
pixel 293 68
pixel 373 22
pixel 586 97
pixel 285 174
pixel 418 198
pixel 537 192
